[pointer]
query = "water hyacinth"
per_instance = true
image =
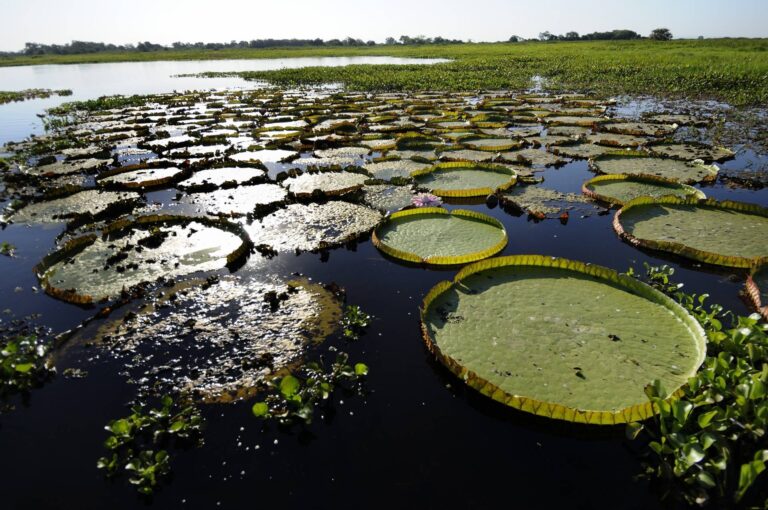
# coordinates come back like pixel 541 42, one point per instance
pixel 426 200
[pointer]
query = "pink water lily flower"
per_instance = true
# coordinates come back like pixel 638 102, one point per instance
pixel 426 200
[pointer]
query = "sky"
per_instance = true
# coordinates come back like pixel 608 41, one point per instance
pixel 166 21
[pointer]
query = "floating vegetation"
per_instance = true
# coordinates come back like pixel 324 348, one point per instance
pixel 581 151
pixel 300 227
pixel 220 341
pixel 541 202
pixel 639 128
pixel 465 179
pixel 84 205
pixel 394 169
pixel 534 157
pixel 264 156
pixel 240 201
pixel 142 179
pixel 328 183
pixel 89 269
pixel 138 442
pixel 63 167
pixel 387 198
pixel 721 233
pixel 225 177
pixel 691 151
pixel 24 364
pixel 632 163
pixel 618 189
pixel 561 339
pixel 432 235
pixel 294 397
pixel 354 322
pixel 7 96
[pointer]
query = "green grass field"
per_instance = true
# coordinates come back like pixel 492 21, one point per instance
pixel 733 70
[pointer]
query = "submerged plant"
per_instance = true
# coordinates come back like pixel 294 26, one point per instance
pixel 294 397
pixel 354 322
pixel 711 442
pixel 137 442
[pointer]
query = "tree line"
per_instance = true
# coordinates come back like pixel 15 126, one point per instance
pixel 659 34
pixel 82 47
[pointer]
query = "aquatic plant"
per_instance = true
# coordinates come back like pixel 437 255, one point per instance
pixel 354 322
pixel 7 249
pixel 711 442
pixel 24 364
pixel 294 397
pixel 426 200
pixel 138 442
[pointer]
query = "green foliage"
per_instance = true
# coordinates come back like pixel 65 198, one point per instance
pixel 23 95
pixel 294 397
pixel 24 364
pixel 137 442
pixel 728 69
pixel 712 440
pixel 354 322
pixel 7 249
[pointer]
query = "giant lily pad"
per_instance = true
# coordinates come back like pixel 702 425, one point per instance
pixel 330 183
pixel 541 202
pixel 219 342
pixel 619 189
pixel 238 201
pixel 66 167
pixel 691 151
pixel 222 177
pixel 561 339
pixel 143 178
pixel 313 226
pixel 387 198
pixel 631 163
pixel 433 235
pixel 84 204
pixel 465 179
pixel 90 268
pixel 397 168
pixel 723 233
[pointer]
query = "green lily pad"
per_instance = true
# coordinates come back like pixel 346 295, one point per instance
pixel 330 183
pixel 465 179
pixel 300 227
pixel 534 157
pixel 561 339
pixel 543 202
pixel 581 151
pixel 491 144
pixel 90 269
pixel 691 151
pixel 433 235
pixel 264 156
pixel 470 155
pixel 722 233
pixel 616 140
pixel 84 204
pixel 640 164
pixel 639 128
pixel 619 189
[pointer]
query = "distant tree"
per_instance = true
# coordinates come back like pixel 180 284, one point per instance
pixel 515 38
pixel 390 40
pixel 547 36
pixel 661 34
pixel 571 36
pixel 371 43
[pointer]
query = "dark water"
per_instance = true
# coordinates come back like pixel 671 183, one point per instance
pixel 419 438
